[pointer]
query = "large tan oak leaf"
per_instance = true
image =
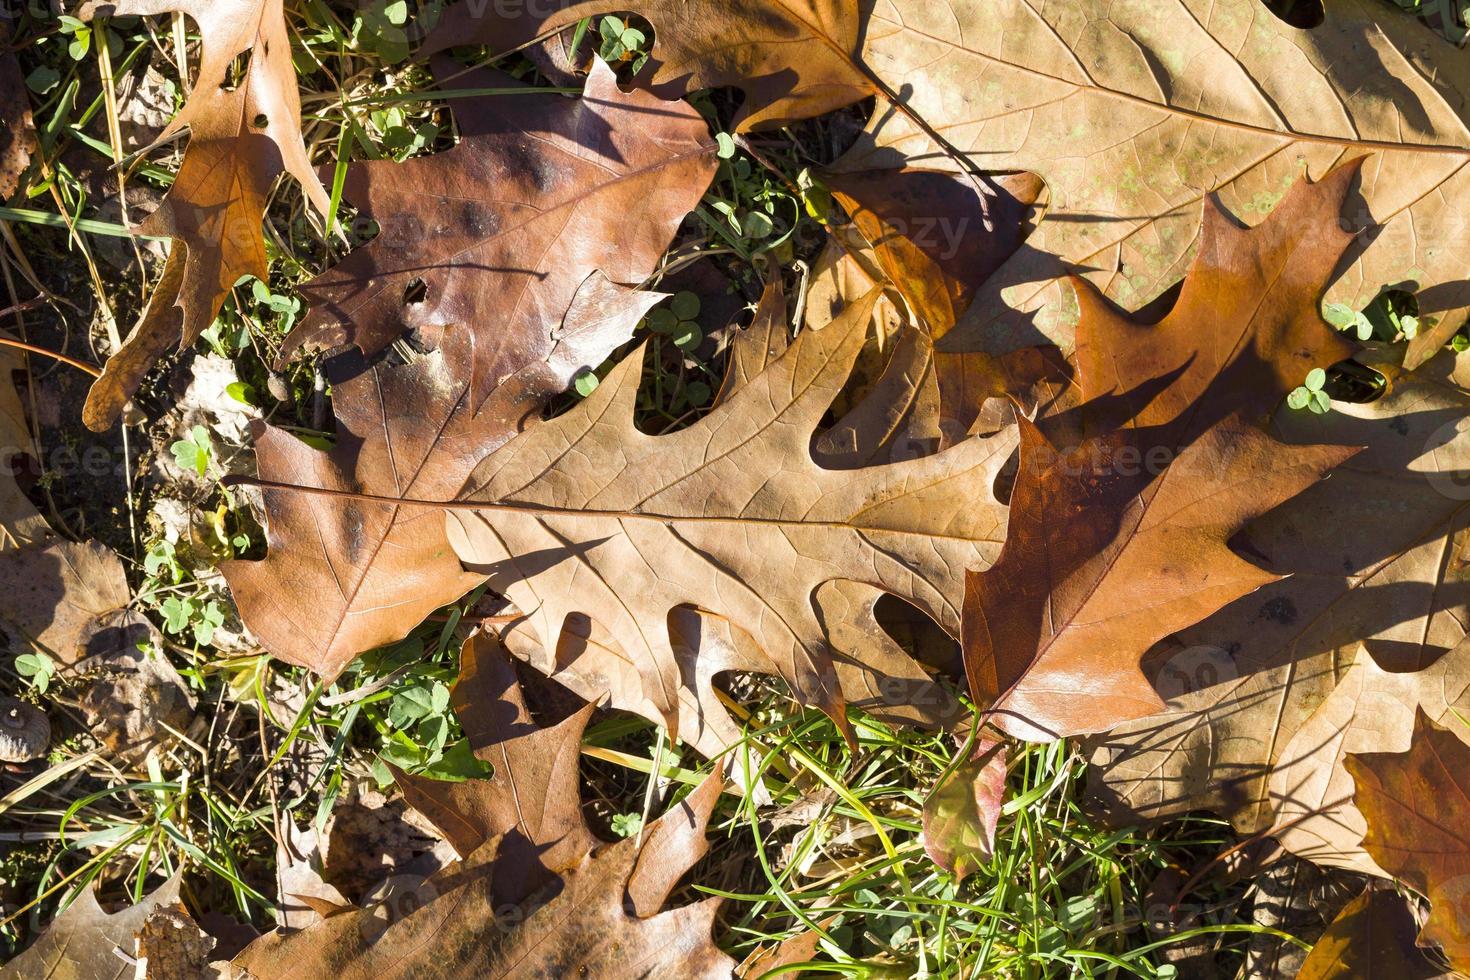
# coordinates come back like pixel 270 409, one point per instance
pixel 876 673
pixel 1375 556
pixel 1133 112
pixel 243 133
pixel 596 520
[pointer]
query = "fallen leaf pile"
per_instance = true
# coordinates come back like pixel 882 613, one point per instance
pixel 1058 433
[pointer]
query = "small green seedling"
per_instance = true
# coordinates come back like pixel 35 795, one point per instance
pixel 586 382
pixel 195 451
pixel 627 824
pixel 1310 394
pixel 1346 318
pixel 622 42
pixel 679 321
pixel 37 668
pixel 200 618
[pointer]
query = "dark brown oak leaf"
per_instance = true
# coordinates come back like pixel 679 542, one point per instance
pixel 342 577
pixel 536 895
pixel 497 235
pixel 591 519
pixel 793 59
pixel 243 133
pixel 1417 805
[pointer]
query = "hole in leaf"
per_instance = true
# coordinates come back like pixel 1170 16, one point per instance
pixel 237 71
pixel 415 292
pixel 260 121
pixel 1304 14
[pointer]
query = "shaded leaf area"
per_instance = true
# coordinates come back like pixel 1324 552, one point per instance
pixel 82 942
pixel 1371 939
pixel 535 894
pixel 243 133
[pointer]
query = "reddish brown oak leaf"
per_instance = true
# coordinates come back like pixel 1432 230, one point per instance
pixel 1417 805
pixel 1120 540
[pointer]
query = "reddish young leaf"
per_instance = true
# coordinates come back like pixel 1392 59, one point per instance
pixel 961 814
pixel 1417 805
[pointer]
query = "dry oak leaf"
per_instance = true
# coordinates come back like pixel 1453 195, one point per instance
pixel 591 519
pixel 539 897
pixel 531 800
pixel 498 234
pixel 1370 710
pixel 1373 559
pixel 936 235
pixel 1103 559
pixel 793 59
pixel 81 942
pixel 895 421
pixel 1122 539
pixel 243 132
pixel 17 128
pixel 1417 804
pixel 344 576
pixel 1133 113
pixel 1372 938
